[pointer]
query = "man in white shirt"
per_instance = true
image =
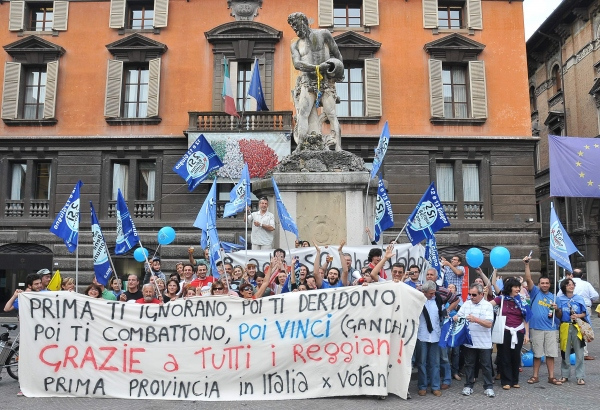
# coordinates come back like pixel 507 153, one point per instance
pixel 480 314
pixel 428 336
pixel 263 226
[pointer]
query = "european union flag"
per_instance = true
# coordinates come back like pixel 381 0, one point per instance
pixel 66 224
pixel 561 245
pixel 102 268
pixel 199 160
pixel 287 223
pixel 574 165
pixel 427 218
pixel 127 236
pixel 384 216
pixel 239 197
pixel 382 146
pixel 208 212
pixel 255 88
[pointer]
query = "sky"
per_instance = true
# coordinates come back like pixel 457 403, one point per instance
pixel 536 11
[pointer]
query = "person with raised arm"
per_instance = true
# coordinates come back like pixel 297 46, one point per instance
pixel 334 278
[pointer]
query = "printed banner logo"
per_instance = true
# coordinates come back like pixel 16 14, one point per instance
pixel 425 216
pixel 72 216
pixel 379 209
pixel 197 164
pixel 556 236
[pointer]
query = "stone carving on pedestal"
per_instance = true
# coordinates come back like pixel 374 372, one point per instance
pixel 244 10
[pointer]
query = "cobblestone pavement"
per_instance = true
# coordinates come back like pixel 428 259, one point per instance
pixel 536 396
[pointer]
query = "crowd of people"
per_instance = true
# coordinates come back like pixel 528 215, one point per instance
pixel 533 313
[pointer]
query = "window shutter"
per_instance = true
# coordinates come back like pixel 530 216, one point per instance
pixel 10 90
pixel 117 13
pixel 161 13
pixel 325 13
pixel 16 15
pixel 477 87
pixel 371 12
pixel 436 89
pixel 430 13
pixel 50 99
pixel 114 80
pixel 61 15
pixel 372 87
pixel 153 87
pixel 475 21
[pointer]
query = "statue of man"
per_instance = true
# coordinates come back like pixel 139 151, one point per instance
pixel 316 55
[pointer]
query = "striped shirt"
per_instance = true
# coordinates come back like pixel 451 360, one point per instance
pixel 481 336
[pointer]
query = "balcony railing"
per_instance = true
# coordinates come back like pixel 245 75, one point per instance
pixel 251 121
pixel 14 208
pixel 141 209
pixel 39 208
pixel 472 210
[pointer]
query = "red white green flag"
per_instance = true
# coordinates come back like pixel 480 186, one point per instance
pixel 229 102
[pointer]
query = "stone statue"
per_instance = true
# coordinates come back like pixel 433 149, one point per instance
pixel 316 55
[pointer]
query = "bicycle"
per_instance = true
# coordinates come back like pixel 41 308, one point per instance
pixel 9 353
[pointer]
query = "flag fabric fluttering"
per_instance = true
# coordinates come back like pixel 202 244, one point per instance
pixel 239 197
pixel 228 101
pixel 102 267
pixel 382 146
pixel 255 88
pixel 66 224
pixel 56 282
pixel 207 212
pixel 432 256
pixel 384 216
pixel 574 165
pixel 197 163
pixel 214 246
pixel 287 223
pixel 127 236
pixel 427 218
pixel 561 245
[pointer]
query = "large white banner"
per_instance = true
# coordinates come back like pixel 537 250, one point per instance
pixel 338 342
pixel 405 254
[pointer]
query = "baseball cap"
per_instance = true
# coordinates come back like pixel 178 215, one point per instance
pixel 43 272
pixel 156 258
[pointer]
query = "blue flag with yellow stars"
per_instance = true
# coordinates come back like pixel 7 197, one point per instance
pixel 574 166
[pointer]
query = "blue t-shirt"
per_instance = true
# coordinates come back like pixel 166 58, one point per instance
pixel 540 306
pixel 576 303
pixel 327 285
pixel 16 304
pixel 411 284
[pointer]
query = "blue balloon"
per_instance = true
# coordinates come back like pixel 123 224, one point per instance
pixel 499 257
pixel 527 359
pixel 140 254
pixel 572 358
pixel 474 257
pixel 166 235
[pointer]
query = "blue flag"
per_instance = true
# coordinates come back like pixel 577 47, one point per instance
pixel 239 197
pixel 102 268
pixel 384 216
pixel 427 218
pixel 199 160
pixel 561 245
pixel 574 165
pixel 214 246
pixel 127 236
pixel 287 223
pixel 208 211
pixel 66 224
pixel 382 146
pixel 432 256
pixel 255 88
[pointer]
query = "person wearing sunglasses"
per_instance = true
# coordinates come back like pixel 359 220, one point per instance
pixel 247 291
pixel 480 315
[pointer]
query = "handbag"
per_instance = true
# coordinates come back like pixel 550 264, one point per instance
pixel 455 334
pixel 586 330
pixel 499 325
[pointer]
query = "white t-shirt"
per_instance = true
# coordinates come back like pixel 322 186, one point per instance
pixel 481 336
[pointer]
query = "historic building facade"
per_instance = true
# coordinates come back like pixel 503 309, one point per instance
pixel 564 91
pixel 113 92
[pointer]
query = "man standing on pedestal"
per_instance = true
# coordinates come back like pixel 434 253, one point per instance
pixel 263 226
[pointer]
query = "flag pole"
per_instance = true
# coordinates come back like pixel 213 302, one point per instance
pixel 149 267
pixel 401 230
pixel 77 264
pixel 555 273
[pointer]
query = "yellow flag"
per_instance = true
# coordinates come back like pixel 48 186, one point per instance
pixel 55 282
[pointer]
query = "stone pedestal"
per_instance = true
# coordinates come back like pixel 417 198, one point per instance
pixel 327 206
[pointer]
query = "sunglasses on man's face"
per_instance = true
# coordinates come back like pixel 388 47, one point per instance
pixel 474 295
